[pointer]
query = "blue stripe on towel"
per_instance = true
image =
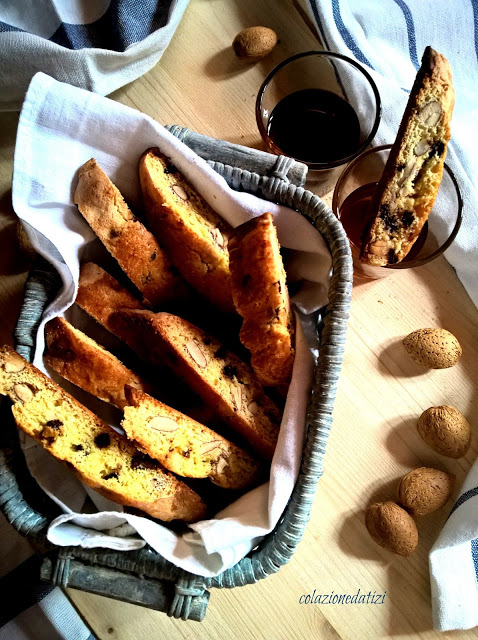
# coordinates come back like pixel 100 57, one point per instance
pixel 123 23
pixel 474 555
pixel 345 33
pixel 412 40
pixel 466 496
pixel 315 11
pixel 4 27
pixel 474 4
pixel 22 588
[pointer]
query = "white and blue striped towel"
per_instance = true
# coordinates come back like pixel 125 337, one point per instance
pixel 389 38
pixel 31 609
pixel 99 45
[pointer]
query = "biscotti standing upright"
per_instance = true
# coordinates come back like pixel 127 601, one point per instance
pixel 126 238
pixel 219 377
pixel 100 295
pixel 193 235
pixel 101 457
pixel 79 359
pixel 185 446
pixel 261 297
pixel 407 190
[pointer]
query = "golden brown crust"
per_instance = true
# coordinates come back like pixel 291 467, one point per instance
pixel 95 452
pixel 99 294
pixel 261 297
pixel 193 235
pixel 185 446
pixel 129 242
pixel 86 364
pixel 407 190
pixel 219 377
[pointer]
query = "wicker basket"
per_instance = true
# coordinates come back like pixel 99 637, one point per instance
pixel 144 577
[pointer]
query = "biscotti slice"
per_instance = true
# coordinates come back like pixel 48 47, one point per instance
pixel 219 377
pixel 101 458
pixel 129 242
pixel 260 294
pixel 409 185
pixel 82 361
pixel 272 352
pixel 99 294
pixel 185 446
pixel 193 235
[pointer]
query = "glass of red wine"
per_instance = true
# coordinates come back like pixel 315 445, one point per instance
pixel 320 108
pixel 352 202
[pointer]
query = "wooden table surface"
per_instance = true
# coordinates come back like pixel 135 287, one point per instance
pixel 199 83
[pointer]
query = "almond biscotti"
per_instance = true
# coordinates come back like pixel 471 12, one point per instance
pixel 79 359
pixel 219 377
pixel 129 242
pixel 261 297
pixel 99 294
pixel 185 446
pixel 193 235
pixel 101 458
pixel 407 190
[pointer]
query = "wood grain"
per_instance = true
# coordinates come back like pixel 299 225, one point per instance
pixel 199 83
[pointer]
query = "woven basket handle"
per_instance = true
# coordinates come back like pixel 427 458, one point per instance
pixel 220 152
pixel 161 595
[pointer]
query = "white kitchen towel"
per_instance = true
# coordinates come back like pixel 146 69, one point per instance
pixel 454 563
pixel 389 38
pixel 60 128
pixel 99 45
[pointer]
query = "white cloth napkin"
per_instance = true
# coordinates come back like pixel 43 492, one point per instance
pixel 454 563
pixel 60 128
pixel 389 38
pixel 99 45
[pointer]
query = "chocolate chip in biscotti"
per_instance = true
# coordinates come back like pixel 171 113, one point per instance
pixel 392 257
pixel 389 220
pixel 143 461
pixel 437 149
pixel 407 218
pixel 54 424
pixel 229 371
pixel 102 440
pixel 111 475
pixel 170 169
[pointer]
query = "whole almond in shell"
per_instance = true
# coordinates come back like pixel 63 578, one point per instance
pixel 254 43
pixel 433 348
pixel 425 490
pixel 445 430
pixel 392 527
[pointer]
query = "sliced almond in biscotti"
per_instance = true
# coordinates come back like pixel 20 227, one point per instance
pixel 219 377
pixel 82 361
pixel 185 446
pixel 126 238
pixel 194 236
pixel 91 449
